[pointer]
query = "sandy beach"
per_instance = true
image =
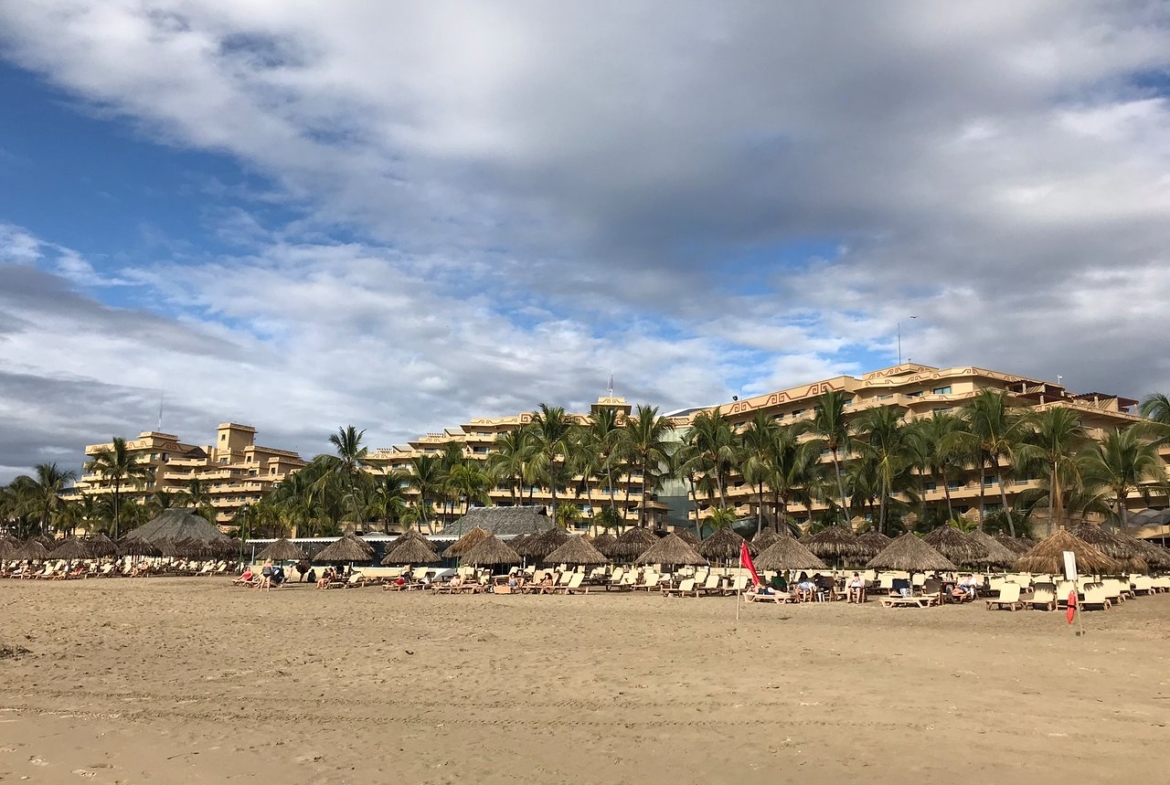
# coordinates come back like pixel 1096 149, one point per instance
pixel 187 680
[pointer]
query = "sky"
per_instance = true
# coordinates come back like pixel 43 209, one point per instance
pixel 303 215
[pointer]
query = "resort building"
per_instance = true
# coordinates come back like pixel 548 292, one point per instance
pixel 234 471
pixel 919 390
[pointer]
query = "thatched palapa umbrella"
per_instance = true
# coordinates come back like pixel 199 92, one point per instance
pixel 490 552
pixel 32 550
pixel 411 534
pixel 411 551
pixel 956 546
pixel 541 545
pixel 102 546
pixel 789 553
pixel 767 538
pixel 7 546
pixel 1016 545
pixel 724 545
pixel 466 542
pixel 603 541
pixel 281 550
pixel 1112 546
pixel 1157 557
pixel 71 548
pixel 630 544
pixel 577 552
pixel 349 548
pixel 875 540
pixel 1047 556
pixel 997 553
pixel 836 543
pixel 671 549
pixel 689 537
pixel 910 554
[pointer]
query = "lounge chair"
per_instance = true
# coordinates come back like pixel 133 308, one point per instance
pixel 1043 596
pixel 907 602
pixel 1096 595
pixel 1009 597
pixel 684 588
pixel 776 597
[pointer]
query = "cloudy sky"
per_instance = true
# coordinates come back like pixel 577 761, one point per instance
pixel 300 215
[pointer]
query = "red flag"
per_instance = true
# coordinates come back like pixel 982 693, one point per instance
pixel 745 560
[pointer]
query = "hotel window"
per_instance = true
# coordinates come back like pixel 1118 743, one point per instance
pixel 942 390
pixel 989 480
pixel 953 484
pixel 930 486
pixel 914 394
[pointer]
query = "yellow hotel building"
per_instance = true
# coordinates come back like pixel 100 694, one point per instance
pixel 234 470
pixel 920 389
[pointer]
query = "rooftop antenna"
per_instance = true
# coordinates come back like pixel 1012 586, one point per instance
pixel 611 383
pixel 161 400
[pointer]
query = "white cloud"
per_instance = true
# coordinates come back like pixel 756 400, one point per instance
pixel 540 192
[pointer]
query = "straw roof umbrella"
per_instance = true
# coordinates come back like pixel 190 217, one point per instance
pixel 489 552
pixel 411 551
pixel 577 552
pixel 956 546
pixel 789 553
pixel 1157 557
pixel 136 547
pixel 71 548
pixel 1106 541
pixel 767 538
pixel 1016 545
pixel 997 553
pixel 7 546
pixel 724 545
pixel 603 541
pixel 466 542
pixel 836 543
pixel 411 534
pixel 543 544
pixel 689 537
pixel 101 546
pixel 281 550
pixel 910 554
pixel 630 544
pixel 349 548
pixel 671 549
pixel 176 525
pixel 1047 556
pixel 32 550
pixel 874 539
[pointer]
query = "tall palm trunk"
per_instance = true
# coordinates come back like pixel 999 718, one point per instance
pixel 1003 500
pixel 947 493
pixel 840 482
pixel 982 505
pixel 117 506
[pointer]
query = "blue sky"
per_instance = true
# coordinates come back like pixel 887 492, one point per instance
pixel 403 216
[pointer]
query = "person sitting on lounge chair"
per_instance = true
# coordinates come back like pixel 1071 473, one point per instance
pixel 805 589
pixel 327 577
pixel 965 589
pixel 779 583
pixel 547 584
pixel 310 575
pixel 856 588
pixel 400 581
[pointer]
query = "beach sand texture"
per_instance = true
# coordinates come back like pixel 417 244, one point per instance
pixel 188 680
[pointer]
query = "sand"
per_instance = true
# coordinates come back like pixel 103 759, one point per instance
pixel 188 680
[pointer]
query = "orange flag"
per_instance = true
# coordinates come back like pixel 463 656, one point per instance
pixel 745 560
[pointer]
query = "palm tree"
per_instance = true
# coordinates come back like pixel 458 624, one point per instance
pixel 553 439
pixel 1124 462
pixel 649 451
pixel 42 496
pixel 712 449
pixel 347 464
pixel 758 453
pixel 795 474
pixel 470 482
pixel 930 444
pixel 1056 435
pixel 601 449
pixel 991 436
pixel 510 460
pixel 831 426
pixel 162 500
pixel 885 446
pixel 721 518
pixel 118 465
pixel 426 477
pixel 197 494
pixel 1156 409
